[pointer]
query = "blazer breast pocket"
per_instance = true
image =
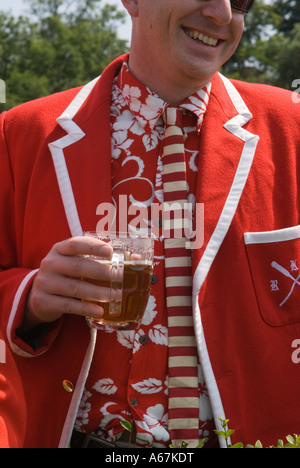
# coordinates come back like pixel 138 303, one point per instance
pixel 274 260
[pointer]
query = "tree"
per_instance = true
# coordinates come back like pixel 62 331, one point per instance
pixel 248 63
pixel 284 54
pixel 66 43
pixel 289 11
pixel 59 45
pixel 269 49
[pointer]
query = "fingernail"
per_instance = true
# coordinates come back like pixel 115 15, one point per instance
pixel 105 250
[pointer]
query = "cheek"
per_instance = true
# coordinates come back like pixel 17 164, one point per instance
pixel 236 37
pixel 238 30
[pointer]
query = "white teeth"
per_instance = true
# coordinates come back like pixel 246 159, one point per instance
pixel 201 37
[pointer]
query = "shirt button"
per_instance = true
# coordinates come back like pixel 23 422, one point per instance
pixel 134 402
pixel 158 222
pixel 154 279
pixel 143 339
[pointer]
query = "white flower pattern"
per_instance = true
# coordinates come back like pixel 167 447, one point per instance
pixel 156 423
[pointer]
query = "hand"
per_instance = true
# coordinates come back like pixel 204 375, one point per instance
pixel 58 288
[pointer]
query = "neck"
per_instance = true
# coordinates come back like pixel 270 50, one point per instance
pixel 171 91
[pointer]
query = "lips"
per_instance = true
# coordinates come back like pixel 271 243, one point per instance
pixel 200 37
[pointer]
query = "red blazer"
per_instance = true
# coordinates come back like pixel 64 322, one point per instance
pixel 55 153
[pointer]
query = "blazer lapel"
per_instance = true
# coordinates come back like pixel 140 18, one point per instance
pixel 226 155
pixel 82 157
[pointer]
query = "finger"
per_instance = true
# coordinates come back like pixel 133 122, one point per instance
pixel 77 289
pixel 83 267
pixel 71 306
pixel 53 307
pixel 84 246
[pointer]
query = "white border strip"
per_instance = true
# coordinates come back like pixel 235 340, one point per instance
pixel 77 395
pixel 213 390
pixel 266 237
pixel 13 313
pixel 234 126
pixel 74 134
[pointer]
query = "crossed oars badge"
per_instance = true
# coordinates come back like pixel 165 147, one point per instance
pixel 286 273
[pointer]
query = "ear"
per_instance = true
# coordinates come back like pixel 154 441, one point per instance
pixel 132 6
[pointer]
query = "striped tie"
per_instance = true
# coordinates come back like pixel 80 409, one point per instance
pixel 183 371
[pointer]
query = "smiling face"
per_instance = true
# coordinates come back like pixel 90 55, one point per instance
pixel 178 45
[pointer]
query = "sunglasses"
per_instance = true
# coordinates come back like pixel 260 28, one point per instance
pixel 242 5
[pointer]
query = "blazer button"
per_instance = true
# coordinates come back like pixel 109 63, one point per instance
pixel 143 339
pixel 68 386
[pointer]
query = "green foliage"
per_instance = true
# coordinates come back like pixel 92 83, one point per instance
pixel 226 433
pixel 292 441
pixel 129 428
pixel 289 11
pixel 126 425
pixel 269 51
pixel 60 45
pixel 185 445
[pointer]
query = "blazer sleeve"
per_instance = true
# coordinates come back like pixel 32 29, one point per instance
pixel 15 279
pixel 13 409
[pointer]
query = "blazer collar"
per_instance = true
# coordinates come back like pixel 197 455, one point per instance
pixel 227 150
pixel 91 106
pixel 86 116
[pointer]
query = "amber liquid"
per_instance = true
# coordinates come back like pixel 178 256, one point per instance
pixel 136 291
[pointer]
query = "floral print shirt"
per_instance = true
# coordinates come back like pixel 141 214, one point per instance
pixel 128 378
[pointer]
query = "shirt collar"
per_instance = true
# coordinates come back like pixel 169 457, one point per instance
pixel 148 107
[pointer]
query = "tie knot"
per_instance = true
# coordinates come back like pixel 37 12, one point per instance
pixel 173 116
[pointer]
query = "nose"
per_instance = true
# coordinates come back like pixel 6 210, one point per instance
pixel 218 10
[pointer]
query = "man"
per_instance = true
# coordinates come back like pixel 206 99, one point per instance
pixel 63 156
